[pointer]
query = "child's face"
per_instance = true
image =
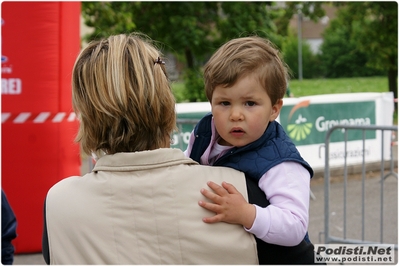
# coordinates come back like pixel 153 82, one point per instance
pixel 242 112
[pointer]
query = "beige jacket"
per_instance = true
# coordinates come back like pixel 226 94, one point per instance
pixel 142 208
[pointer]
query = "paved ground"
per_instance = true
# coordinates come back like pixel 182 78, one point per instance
pixel 372 209
pixel 353 208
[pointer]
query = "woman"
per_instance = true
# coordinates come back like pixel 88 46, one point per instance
pixel 139 205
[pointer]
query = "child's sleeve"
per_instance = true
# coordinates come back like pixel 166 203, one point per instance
pixel 285 221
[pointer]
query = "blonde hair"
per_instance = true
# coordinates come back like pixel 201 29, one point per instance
pixel 122 96
pixel 242 56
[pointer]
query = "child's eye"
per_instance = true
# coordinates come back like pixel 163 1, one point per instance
pixel 224 103
pixel 250 103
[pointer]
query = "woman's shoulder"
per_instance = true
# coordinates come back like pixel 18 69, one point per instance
pixel 64 184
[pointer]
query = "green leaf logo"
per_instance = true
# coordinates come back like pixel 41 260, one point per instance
pixel 300 130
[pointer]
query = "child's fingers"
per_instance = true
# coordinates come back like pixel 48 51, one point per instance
pixel 211 196
pixel 211 220
pixel 213 208
pixel 209 206
pixel 230 188
pixel 221 191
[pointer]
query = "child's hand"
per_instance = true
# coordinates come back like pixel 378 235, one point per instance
pixel 228 204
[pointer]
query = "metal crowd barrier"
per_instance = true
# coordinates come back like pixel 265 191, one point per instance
pixel 391 172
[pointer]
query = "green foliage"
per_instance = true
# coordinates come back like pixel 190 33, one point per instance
pixel 194 85
pixel 240 19
pixel 373 30
pixel 340 56
pixel 190 29
pixel 310 64
pixel 183 27
pixel 107 18
pixel 178 89
pixel 283 15
pixel 363 39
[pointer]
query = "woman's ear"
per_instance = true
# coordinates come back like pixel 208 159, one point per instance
pixel 276 108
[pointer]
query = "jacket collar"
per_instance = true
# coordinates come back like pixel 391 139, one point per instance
pixel 143 160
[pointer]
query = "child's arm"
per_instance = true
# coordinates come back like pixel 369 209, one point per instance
pixel 285 221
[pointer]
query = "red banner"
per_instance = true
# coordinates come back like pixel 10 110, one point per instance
pixel 40 42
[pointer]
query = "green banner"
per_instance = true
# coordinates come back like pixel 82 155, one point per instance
pixel 182 136
pixel 308 123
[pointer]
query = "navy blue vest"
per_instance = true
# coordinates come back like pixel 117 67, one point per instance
pixel 255 159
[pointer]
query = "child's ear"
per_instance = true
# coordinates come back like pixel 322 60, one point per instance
pixel 276 108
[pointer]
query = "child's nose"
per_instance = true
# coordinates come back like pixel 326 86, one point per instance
pixel 236 114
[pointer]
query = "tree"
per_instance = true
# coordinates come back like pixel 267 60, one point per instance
pixel 374 30
pixel 311 65
pixel 186 29
pixel 239 19
pixel 107 18
pixel 284 13
pixel 339 54
pixel 191 30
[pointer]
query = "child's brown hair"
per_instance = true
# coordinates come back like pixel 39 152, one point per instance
pixel 242 56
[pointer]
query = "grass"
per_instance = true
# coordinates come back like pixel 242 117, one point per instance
pixel 343 85
pixel 321 86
